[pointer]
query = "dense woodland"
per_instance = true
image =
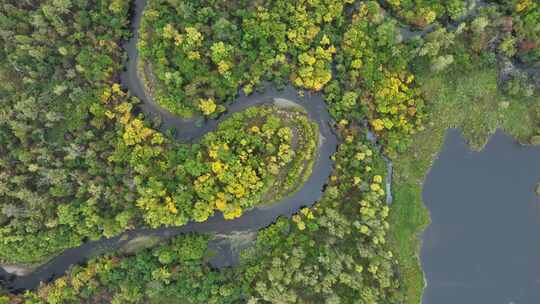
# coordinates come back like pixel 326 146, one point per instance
pixel 78 161
pixel 200 50
pixel 76 178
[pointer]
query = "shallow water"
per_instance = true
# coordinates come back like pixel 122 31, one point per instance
pixel 483 244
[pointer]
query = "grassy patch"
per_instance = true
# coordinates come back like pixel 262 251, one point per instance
pixel 471 101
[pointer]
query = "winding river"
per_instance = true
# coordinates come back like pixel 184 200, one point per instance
pixel 479 247
pixel 189 131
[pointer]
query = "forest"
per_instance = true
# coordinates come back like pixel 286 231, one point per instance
pixel 106 170
pixel 80 160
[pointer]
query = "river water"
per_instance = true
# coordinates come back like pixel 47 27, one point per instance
pixel 483 243
pixel 188 131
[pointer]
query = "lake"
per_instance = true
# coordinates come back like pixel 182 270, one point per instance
pixel 483 244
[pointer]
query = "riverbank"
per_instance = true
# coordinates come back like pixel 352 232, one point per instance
pixel 471 101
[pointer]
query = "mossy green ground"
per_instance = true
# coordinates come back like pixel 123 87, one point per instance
pixel 471 101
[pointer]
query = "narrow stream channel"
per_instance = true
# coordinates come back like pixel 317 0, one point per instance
pixel 483 245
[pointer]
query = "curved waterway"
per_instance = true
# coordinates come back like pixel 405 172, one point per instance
pixel 240 230
pixel 188 131
pixel 483 243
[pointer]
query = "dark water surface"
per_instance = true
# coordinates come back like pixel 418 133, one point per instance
pixel 483 244
pixel 187 131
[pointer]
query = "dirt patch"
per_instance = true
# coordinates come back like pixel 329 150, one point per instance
pixel 139 243
pixel 17 269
